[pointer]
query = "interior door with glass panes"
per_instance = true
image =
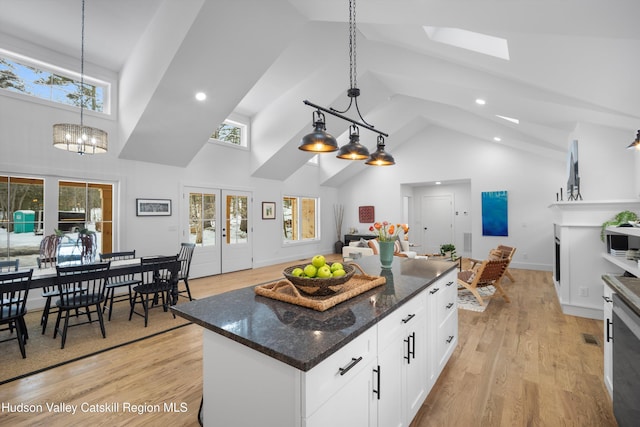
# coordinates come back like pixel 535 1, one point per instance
pixel 236 233
pixel 219 227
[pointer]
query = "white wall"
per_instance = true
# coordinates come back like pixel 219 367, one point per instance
pixel 440 155
pixel 26 149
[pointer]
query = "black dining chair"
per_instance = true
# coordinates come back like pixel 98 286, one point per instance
pixel 159 282
pixel 184 256
pixel 9 265
pixel 81 288
pixel 14 289
pixel 116 282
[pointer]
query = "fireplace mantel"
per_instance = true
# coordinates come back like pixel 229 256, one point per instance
pixel 579 262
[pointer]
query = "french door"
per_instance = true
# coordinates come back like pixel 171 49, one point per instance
pixel 219 223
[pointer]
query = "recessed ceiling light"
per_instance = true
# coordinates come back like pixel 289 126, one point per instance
pixel 509 119
pixel 201 96
pixel 497 139
pixel 438 182
pixel 480 101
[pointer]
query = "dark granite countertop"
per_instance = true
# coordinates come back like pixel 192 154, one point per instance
pixel 627 288
pixel 303 337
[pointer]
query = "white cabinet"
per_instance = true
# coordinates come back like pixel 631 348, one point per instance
pixel 379 379
pixel 342 384
pixel 442 323
pixel 402 363
pixel 607 339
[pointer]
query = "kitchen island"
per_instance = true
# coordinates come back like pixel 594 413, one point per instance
pixel 371 360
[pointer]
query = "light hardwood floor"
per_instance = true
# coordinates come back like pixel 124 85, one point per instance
pixel 517 364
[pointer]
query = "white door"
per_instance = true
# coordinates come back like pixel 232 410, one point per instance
pixel 220 232
pixel 437 220
pixel 236 231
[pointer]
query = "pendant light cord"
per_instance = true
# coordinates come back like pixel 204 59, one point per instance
pixel 82 71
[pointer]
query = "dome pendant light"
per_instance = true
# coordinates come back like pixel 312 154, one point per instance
pixel 316 142
pixel 353 150
pixel 380 157
pixel 635 144
pixel 76 138
pixel 319 141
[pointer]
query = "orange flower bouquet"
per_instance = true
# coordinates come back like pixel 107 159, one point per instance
pixel 387 232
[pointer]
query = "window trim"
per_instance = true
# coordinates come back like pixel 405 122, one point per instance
pixel 108 86
pixel 318 220
pixel 245 139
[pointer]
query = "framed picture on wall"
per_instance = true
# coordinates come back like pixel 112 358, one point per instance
pixel 153 207
pixel 268 210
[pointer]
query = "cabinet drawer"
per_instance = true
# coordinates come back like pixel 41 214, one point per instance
pixel 448 339
pixel 448 299
pixel 327 378
pixel 391 327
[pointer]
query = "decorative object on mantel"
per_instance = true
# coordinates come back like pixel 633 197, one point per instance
pixel 573 180
pixel 76 138
pixel 338 216
pixel 622 219
pixel 319 141
pixel 635 145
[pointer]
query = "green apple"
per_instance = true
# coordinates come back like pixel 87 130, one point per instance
pixel 310 270
pixel 338 273
pixel 324 272
pixel 318 261
pixel 297 272
pixel 336 266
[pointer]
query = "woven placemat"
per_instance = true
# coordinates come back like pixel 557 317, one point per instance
pixel 283 290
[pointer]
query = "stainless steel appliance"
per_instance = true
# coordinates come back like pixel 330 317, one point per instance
pixel 626 364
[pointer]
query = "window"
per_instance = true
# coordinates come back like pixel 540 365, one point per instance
pixel 21 218
pixel 202 219
pixel 300 218
pixel 237 219
pixel 231 132
pixel 26 76
pixel 85 205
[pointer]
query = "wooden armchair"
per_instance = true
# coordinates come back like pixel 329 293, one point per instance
pixel 501 252
pixel 489 273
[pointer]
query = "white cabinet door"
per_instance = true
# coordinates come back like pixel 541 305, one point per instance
pixel 608 338
pixel 388 395
pixel 415 361
pixel 352 406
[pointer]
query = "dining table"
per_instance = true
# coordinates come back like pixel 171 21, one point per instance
pixel 42 277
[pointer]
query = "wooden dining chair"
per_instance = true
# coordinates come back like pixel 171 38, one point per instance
pixel 118 281
pixel 159 282
pixel 184 256
pixel 14 289
pixel 489 273
pixel 81 288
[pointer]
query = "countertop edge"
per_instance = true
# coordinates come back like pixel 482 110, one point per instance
pixel 628 296
pixel 308 365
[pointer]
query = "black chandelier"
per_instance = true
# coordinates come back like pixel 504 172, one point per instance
pixel 320 141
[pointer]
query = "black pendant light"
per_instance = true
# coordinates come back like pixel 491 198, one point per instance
pixel 380 157
pixel 635 144
pixel 353 150
pixel 319 141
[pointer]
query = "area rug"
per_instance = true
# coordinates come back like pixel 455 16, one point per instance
pixel 43 351
pixel 467 301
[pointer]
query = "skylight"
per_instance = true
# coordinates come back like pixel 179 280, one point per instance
pixel 481 43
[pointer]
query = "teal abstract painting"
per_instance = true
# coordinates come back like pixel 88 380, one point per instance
pixel 494 213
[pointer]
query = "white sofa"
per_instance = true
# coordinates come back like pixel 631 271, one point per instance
pixel 354 250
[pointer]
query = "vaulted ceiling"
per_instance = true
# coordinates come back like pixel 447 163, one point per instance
pixel 570 61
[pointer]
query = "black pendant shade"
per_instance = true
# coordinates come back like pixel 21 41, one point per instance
pixel 353 150
pixel 635 144
pixel 318 141
pixel 380 157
